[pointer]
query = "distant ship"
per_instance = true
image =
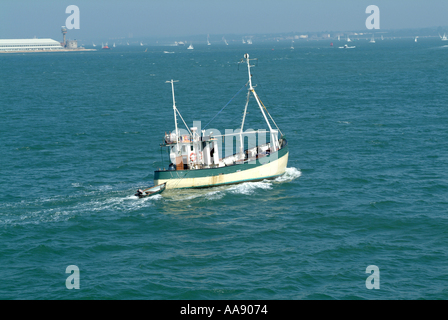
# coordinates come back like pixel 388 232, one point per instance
pixel 190 47
pixel 106 46
pixel 346 47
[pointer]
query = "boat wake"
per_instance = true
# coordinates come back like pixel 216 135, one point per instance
pixel 104 200
pixel 290 174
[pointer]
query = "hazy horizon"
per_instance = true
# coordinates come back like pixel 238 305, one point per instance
pixel 175 18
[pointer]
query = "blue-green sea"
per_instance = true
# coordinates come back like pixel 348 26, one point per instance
pixel 366 183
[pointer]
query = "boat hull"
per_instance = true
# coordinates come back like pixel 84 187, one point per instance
pixel 267 167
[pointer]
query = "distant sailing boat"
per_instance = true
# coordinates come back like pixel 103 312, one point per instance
pixel 416 39
pixel 225 41
pixel 382 37
pixel 244 42
pixel 93 44
pixel 249 41
pixel 190 47
pixel 208 42
pixel 444 38
pixel 339 38
pixel 113 45
pixel 373 39
pixel 348 39
pixel 292 45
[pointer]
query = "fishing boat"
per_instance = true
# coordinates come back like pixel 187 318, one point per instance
pixel 149 192
pixel 195 154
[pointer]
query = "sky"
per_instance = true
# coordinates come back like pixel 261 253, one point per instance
pixel 114 19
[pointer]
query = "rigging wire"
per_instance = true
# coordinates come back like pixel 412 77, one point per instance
pixel 225 105
pixel 266 108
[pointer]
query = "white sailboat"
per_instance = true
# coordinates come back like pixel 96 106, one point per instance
pixel 249 41
pixel 225 41
pixel 348 39
pixel 244 42
pixel 373 39
pixel 190 47
pixel 93 44
pixel 113 45
pixel 444 38
pixel 195 154
pixel 208 42
pixel 416 39
pixel 292 45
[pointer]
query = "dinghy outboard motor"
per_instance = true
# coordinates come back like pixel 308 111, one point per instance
pixel 171 167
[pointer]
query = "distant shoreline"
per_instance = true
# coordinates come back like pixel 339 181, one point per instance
pixel 55 50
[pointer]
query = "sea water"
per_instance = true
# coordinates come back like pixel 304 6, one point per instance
pixel 366 182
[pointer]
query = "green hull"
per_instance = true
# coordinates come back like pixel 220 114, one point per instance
pixel 174 176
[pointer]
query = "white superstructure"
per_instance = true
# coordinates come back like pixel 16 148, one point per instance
pixel 29 45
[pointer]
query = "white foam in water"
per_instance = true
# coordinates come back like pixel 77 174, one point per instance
pixel 250 187
pixel 290 174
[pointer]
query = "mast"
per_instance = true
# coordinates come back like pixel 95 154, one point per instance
pixel 251 89
pixel 273 134
pixel 174 106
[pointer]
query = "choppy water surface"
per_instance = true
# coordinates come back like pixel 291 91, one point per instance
pixel 366 182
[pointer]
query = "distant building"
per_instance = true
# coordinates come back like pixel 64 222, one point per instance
pixel 29 45
pixel 71 44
